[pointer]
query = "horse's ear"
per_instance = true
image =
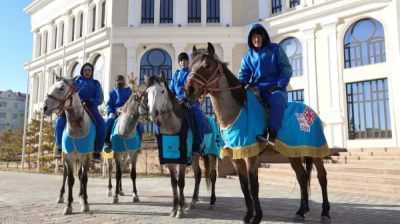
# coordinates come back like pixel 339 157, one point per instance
pixel 210 49
pixel 194 49
pixel 162 76
pixel 145 78
pixel 71 80
pixel 58 78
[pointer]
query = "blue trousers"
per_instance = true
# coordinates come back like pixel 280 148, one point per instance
pixel 278 103
pixel 101 130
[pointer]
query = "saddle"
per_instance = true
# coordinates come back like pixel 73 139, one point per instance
pixel 189 115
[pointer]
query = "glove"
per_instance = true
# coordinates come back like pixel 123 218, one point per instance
pixel 85 102
pixel 273 89
pixel 111 116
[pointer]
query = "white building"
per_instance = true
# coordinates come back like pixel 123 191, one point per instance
pixel 342 67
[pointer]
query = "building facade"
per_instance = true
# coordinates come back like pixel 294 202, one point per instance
pixel 12 110
pixel 337 48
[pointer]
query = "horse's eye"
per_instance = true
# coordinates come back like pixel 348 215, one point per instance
pixel 61 89
pixel 163 91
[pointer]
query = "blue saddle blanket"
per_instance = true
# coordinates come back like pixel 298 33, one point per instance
pixel 82 145
pixel 120 144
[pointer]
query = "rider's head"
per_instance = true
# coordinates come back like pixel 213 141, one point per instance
pixel 257 36
pixel 183 60
pixel 87 71
pixel 120 81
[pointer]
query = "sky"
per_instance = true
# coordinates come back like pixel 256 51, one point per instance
pixel 15 44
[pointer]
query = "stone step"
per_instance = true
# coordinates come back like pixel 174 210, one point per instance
pixel 348 168
pixel 374 150
pixel 390 158
pixel 368 162
pixel 369 153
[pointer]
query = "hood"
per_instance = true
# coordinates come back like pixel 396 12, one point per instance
pixel 266 39
pixel 90 66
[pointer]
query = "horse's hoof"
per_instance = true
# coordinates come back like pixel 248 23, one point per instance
pixel 211 207
pixel 192 206
pixel 121 193
pixel 60 200
pixel 173 214
pixel 67 211
pixel 298 218
pixel 136 199
pixel 85 208
pixel 325 219
pixel 81 201
pixel 180 214
pixel 115 201
pixel 109 193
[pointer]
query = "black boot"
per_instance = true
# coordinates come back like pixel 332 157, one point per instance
pixel 96 156
pixel 57 154
pixel 196 149
pixel 271 137
pixel 107 145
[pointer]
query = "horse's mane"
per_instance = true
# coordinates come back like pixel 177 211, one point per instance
pixel 128 103
pixel 239 95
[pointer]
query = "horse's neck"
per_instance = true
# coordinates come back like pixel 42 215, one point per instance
pixel 77 128
pixel 225 106
pixel 171 121
pixel 127 124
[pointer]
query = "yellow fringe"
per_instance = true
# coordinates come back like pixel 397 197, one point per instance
pixel 242 152
pixel 224 152
pixel 300 151
pixel 108 155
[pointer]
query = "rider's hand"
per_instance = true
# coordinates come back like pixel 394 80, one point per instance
pixel 85 103
pixel 180 101
pixel 111 116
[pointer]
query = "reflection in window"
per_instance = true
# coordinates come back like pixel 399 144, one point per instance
pixel 147 11
pixel 296 96
pixel 208 109
pixel 364 44
pixel 294 3
pixel 194 11
pixel 276 6
pixel 76 70
pixel 293 50
pixel 166 11
pixel 213 11
pixel 368 110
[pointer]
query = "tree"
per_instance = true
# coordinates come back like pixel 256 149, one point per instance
pixel 10 145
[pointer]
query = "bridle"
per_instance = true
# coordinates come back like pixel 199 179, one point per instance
pixel 213 80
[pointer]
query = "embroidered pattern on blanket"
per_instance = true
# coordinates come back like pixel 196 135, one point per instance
pixel 120 144
pixel 82 145
pixel 241 135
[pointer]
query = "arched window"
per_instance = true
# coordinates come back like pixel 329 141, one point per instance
pixel 98 65
pixel 81 25
pixel 76 69
pixel 73 29
pixel 55 38
pixel 62 35
pixel 94 19
pixel 103 14
pixel 293 50
pixel 364 44
pixel 46 37
pixel 39 45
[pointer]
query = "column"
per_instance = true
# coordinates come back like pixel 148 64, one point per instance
pixel 85 28
pixel 203 13
pixel 178 48
pixel 31 80
pixel 335 119
pixel 130 61
pixel 185 13
pixel 309 68
pixel 227 53
pixel 178 12
pixel 157 12
pixel 285 5
pixel 304 3
pixel 138 13
pixel 226 13
pixel 131 13
pixel 98 16
pixel 263 9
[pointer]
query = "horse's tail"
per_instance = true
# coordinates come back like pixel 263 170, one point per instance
pixel 207 172
pixel 309 166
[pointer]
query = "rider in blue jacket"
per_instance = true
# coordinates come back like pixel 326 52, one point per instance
pixel 117 98
pixel 269 69
pixel 90 92
pixel 177 84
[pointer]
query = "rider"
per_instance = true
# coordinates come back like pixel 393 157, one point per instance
pixel 117 99
pixel 177 87
pixel 90 92
pixel 269 69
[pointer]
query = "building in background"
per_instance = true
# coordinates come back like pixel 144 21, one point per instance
pixel 345 57
pixel 12 110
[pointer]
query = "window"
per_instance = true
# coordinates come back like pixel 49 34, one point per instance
pixel 76 70
pixel 208 108
pixel 14 126
pixel 103 14
pixel 2 126
pixel 212 11
pixel 294 3
pixel 194 11
pixel 15 116
pixel 166 11
pixel 94 19
pixel 276 6
pixel 55 38
pixel 46 35
pixel 293 50
pixel 147 11
pixel 3 104
pixel 16 105
pixel 368 110
pixel 81 25
pixel 39 49
pixel 364 44
pixel 98 66
pixel 2 115
pixel 62 35
pixel 73 30
pixel 296 96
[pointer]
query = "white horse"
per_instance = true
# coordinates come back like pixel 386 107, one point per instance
pixel 164 107
pixel 80 128
pixel 125 141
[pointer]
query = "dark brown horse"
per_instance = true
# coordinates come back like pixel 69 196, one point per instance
pixel 228 99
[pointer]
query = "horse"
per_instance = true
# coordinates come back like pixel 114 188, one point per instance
pixel 229 100
pixel 78 137
pixel 162 106
pixel 125 142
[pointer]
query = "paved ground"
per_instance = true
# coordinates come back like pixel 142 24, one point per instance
pixel 30 198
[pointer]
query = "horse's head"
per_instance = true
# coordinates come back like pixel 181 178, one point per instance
pixel 58 96
pixel 205 73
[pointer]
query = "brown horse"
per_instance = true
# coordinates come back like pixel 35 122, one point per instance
pixel 210 76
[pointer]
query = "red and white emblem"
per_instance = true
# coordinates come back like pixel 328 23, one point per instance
pixel 306 119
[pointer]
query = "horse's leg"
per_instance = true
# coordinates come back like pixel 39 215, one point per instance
pixel 80 185
pixel 118 176
pixel 133 161
pixel 174 184
pixel 252 172
pixel 323 181
pixel 84 181
pixel 110 168
pixel 71 181
pixel 124 158
pixel 213 176
pixel 62 191
pixel 301 175
pixel 240 166
pixel 181 184
pixel 197 178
